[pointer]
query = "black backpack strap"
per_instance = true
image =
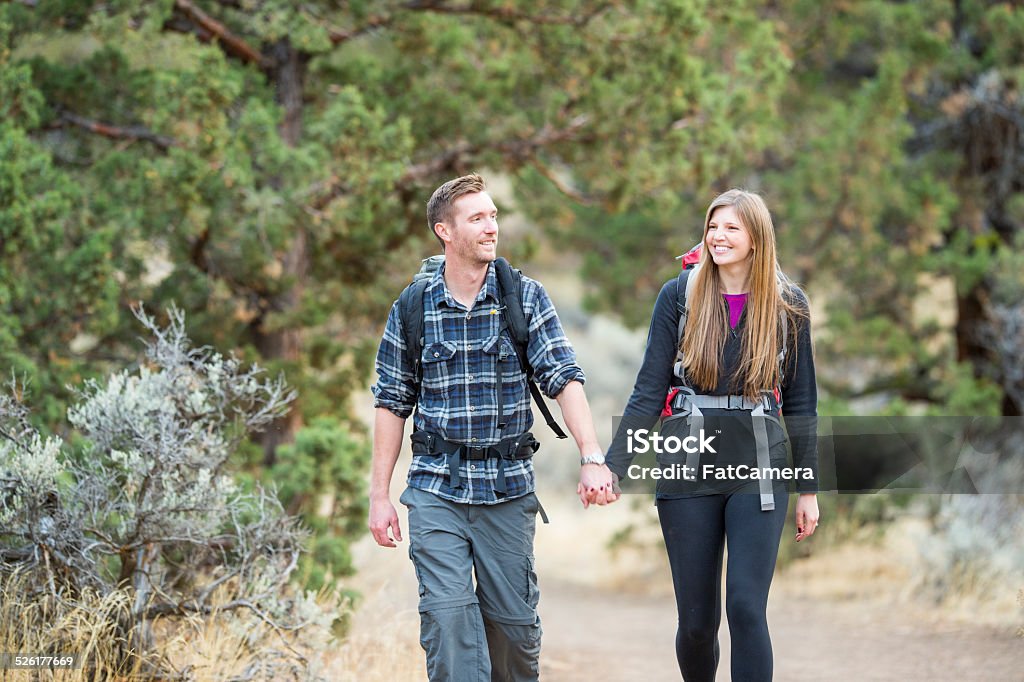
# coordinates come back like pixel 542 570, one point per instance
pixel 410 310
pixel 510 291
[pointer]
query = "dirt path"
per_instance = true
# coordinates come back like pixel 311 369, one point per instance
pixel 631 638
pixel 845 626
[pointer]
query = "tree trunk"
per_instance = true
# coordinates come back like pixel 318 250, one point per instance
pixel 288 76
pixel 976 346
pixel 142 632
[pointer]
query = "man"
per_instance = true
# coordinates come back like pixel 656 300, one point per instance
pixel 470 489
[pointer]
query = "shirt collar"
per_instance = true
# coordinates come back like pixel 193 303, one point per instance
pixel 488 290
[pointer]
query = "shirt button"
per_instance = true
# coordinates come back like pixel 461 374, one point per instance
pixel 472 467
pixel 470 378
pixel 472 408
pixel 437 355
pixel 472 440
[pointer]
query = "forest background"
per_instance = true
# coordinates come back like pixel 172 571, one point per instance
pixel 264 166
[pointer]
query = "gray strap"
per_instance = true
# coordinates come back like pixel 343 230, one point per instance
pixel 721 402
pixel 695 422
pixel 543 514
pixel 686 398
pixel 763 459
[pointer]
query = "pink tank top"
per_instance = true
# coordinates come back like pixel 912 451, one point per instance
pixel 736 303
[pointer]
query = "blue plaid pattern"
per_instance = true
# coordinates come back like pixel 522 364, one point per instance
pixel 458 400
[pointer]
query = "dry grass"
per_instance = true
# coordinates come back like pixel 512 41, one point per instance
pixel 384 648
pixel 222 646
pixel 42 626
pixel 885 569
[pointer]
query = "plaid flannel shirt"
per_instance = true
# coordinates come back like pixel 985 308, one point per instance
pixel 458 396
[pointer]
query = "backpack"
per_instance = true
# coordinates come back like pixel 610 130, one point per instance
pixel 510 293
pixel 692 404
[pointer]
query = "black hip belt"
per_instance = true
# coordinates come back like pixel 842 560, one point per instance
pixel 519 447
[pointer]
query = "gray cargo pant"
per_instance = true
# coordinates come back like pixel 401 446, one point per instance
pixel 492 631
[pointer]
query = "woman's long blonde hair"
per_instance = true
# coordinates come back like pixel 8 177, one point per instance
pixel 768 290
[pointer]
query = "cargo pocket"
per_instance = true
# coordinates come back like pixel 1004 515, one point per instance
pixel 419 573
pixel 532 589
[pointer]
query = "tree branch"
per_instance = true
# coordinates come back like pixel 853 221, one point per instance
pixel 506 15
pixel 502 15
pixel 560 185
pixel 516 151
pixel 232 44
pixel 115 132
pixel 339 36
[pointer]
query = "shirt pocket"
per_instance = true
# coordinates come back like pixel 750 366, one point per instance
pixel 440 363
pixel 501 349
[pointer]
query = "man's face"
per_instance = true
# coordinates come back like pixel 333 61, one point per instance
pixel 473 238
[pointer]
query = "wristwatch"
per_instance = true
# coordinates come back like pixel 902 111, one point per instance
pixel 593 458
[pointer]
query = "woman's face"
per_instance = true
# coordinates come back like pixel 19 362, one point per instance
pixel 728 240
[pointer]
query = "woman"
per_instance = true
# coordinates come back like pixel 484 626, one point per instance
pixel 746 348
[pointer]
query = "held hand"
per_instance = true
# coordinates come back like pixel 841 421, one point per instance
pixel 806 515
pixel 383 517
pixel 597 485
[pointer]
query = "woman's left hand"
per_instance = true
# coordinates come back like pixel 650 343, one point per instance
pixel 806 515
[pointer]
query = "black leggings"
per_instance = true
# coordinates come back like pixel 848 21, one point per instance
pixel 695 531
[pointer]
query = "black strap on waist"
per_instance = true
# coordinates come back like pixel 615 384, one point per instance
pixel 518 447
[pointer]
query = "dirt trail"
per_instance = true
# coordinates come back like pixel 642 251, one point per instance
pixel 631 638
pixel 614 618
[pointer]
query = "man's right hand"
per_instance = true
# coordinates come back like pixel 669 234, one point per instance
pixel 383 517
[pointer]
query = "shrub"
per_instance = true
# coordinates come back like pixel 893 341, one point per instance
pixel 142 512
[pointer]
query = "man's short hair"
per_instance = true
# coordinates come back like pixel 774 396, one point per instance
pixel 441 207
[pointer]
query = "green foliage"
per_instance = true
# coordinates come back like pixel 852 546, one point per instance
pixel 266 216
pixel 886 141
pixel 57 289
pixel 271 180
pixel 963 394
pixel 321 474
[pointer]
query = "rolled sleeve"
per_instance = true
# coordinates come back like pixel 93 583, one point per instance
pixel 396 382
pixel 549 351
